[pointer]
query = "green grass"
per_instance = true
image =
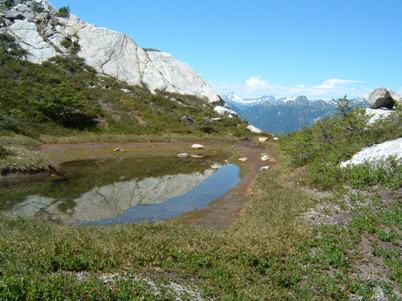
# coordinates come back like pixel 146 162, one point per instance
pixel 270 253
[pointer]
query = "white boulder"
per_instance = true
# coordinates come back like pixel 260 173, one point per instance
pixel 183 155
pixel 254 129
pixel 383 98
pixel 377 114
pixel 197 146
pixel 376 153
pixel 224 111
pixel 265 158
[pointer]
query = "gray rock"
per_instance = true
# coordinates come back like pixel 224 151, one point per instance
pixel 20 11
pixel 377 153
pixel 383 98
pixel 377 115
pixel 28 37
pixel 188 119
pixel 13 15
pixel 183 155
pixel 42 17
pixel 109 52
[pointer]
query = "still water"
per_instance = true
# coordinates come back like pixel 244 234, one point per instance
pixel 123 190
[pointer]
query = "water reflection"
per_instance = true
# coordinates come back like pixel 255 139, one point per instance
pixel 118 191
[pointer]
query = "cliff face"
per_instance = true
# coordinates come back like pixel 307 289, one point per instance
pixel 43 34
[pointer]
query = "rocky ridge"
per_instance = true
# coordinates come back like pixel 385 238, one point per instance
pixel 44 33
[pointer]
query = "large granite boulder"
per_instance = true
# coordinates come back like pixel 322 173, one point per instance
pixel 112 53
pixel 383 98
pixel 377 153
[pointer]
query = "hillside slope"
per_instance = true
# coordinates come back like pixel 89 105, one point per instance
pixel 64 96
pixel 44 32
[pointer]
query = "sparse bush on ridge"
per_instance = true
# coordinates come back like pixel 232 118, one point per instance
pixel 151 49
pixel 63 12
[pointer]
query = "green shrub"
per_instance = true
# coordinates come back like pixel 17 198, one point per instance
pixel 66 106
pixel 66 42
pixel 71 45
pixel 9 46
pixel 64 94
pixel 4 152
pixel 321 147
pixel 151 49
pixel 388 174
pixel 37 7
pixel 64 12
pixel 343 105
pixel 9 3
pixel 8 123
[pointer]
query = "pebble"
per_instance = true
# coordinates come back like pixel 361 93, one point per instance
pixel 265 158
pixel 244 159
pixel 216 166
pixel 183 155
pixel 197 146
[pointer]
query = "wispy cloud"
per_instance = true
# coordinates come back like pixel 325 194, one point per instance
pixel 334 83
pixel 257 86
pixel 255 83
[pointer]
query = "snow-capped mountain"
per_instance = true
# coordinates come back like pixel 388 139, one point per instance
pixel 285 114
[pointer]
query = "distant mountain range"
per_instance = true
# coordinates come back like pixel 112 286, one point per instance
pixel 283 115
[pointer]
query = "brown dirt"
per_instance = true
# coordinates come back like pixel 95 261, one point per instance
pixel 221 213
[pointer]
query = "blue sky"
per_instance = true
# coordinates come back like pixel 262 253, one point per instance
pixel 319 48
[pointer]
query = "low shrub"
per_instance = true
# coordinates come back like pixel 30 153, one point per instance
pixel 9 46
pixel 37 7
pixel 4 152
pixel 63 12
pixel 9 3
pixel 322 146
pixel 387 174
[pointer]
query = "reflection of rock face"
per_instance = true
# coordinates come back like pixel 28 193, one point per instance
pixel 113 199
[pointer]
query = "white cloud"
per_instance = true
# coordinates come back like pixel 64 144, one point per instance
pixel 255 83
pixel 256 86
pixel 333 83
